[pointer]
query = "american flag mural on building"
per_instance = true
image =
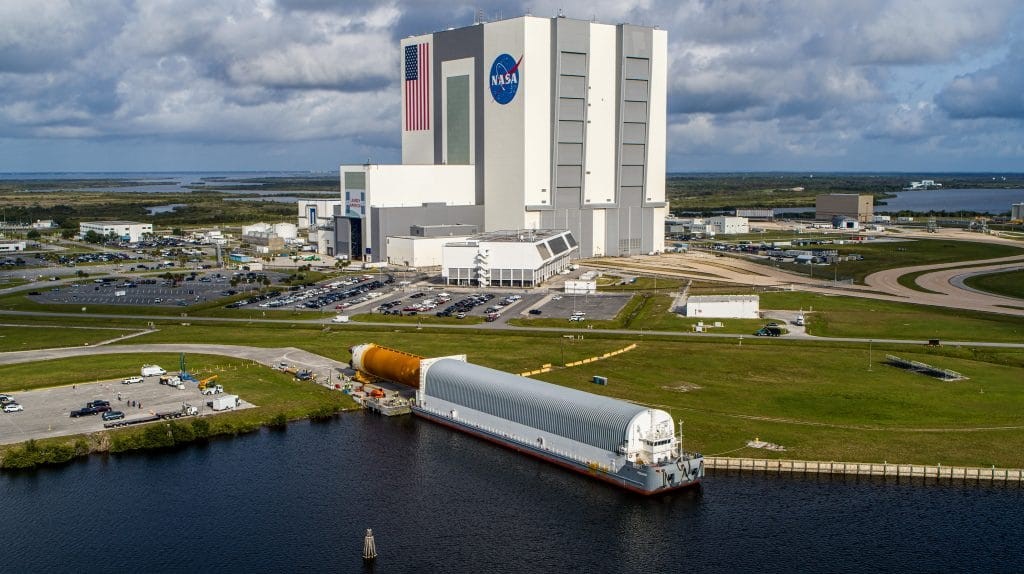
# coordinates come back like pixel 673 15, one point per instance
pixel 417 87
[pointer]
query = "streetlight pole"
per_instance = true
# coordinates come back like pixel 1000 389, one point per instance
pixel 869 354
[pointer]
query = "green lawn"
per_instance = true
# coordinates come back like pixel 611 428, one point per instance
pixel 647 312
pixel 1010 283
pixel 615 283
pixel 22 338
pixel 835 316
pixel 817 398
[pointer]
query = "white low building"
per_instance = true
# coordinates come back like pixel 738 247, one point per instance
pixel 520 258
pixel 415 251
pixel 580 287
pixel 129 231
pixel 10 246
pixel 726 225
pixel 723 306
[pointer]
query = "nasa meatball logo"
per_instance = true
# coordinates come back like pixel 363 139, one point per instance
pixel 504 78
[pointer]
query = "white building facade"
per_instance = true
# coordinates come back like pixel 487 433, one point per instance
pixel 129 231
pixel 508 258
pixel 411 251
pixel 560 124
pixel 726 225
pixel 723 306
pixel 316 213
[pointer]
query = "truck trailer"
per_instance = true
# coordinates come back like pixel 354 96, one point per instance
pixel 224 402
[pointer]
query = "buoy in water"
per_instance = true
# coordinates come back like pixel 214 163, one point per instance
pixel 369 547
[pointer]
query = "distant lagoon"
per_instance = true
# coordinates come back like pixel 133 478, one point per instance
pixel 176 182
pixel 993 201
pixel 977 200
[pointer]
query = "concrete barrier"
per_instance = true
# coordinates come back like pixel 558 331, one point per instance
pixel 992 474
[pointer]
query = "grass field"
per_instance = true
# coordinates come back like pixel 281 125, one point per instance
pixel 818 399
pixel 1010 284
pixel 24 337
pixel 855 317
pixel 615 283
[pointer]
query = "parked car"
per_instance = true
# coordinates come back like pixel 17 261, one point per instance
pixel 113 415
pixel 90 411
pixel 97 403
pixel 13 408
pixel 4 399
pixel 535 311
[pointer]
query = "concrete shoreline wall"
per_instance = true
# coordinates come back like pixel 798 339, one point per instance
pixel 990 474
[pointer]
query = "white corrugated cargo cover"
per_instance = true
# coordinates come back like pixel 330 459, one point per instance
pixel 583 417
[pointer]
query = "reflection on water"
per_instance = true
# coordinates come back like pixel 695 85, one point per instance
pixel 442 501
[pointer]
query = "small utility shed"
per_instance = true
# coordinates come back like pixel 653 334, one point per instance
pixel 723 306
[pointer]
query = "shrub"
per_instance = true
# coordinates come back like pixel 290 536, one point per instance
pixel 201 428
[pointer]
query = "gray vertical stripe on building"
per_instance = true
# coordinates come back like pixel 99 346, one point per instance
pixel 457 130
pixel 457 44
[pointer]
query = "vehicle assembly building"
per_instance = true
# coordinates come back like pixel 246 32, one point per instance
pixel 629 445
pixel 525 123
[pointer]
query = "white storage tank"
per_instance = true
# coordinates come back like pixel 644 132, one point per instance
pixel 256 228
pixel 286 231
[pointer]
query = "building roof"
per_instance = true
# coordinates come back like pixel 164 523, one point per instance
pixel 114 223
pixel 587 418
pixel 518 235
pixel 721 298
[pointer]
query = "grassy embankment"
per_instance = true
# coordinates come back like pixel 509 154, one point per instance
pixel 278 397
pixel 870 318
pixel 818 399
pixel 34 336
pixel 644 312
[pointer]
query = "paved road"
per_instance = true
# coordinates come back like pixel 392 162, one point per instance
pixel 954 280
pixel 947 294
pixel 270 357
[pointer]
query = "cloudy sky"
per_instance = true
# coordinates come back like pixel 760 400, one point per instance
pixel 802 85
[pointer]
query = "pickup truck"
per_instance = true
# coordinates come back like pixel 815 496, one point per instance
pixel 86 411
pixel 132 380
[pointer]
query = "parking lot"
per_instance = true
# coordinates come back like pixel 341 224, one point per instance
pixel 47 411
pixel 596 307
pixel 137 292
pixel 338 294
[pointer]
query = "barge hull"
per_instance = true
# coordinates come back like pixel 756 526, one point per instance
pixel 610 478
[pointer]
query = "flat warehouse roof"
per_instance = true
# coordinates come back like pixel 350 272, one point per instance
pixel 113 223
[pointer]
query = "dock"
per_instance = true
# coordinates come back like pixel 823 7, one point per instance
pixel 388 406
pixel 814 467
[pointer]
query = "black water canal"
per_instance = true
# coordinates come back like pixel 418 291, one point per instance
pixel 440 501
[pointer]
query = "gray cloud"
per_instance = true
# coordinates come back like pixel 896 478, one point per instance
pixel 994 92
pixel 780 83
